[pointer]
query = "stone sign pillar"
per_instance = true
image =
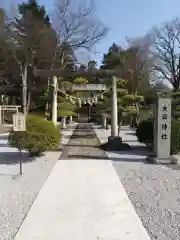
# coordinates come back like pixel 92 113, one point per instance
pixel 155 129
pixel 163 128
pixel 162 131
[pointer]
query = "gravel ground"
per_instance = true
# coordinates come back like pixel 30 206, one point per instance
pixel 18 193
pixel 154 190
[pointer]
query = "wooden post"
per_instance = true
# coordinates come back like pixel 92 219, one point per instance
pixel 54 101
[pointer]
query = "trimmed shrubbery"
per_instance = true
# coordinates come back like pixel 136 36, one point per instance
pixel 144 133
pixel 40 135
pixel 175 136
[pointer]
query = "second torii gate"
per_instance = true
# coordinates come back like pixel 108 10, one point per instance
pixel 114 139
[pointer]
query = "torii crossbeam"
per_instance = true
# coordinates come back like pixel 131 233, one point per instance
pixel 99 73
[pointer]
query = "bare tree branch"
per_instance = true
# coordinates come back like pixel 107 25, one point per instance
pixel 76 25
pixel 165 44
pixel 138 64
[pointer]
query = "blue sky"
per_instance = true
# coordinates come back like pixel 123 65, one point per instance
pixel 126 18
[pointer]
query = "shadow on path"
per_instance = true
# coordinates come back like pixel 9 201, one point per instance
pixel 13 156
pixel 10 158
pixel 118 159
pixel 83 144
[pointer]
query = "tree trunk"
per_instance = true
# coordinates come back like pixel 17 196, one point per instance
pixel 137 115
pixel 89 112
pixel 176 85
pixel 13 100
pixel 47 107
pixel 24 89
pixel 28 102
pixel 46 110
pixel 134 121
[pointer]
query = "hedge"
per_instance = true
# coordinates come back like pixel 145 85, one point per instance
pixel 40 135
pixel 145 132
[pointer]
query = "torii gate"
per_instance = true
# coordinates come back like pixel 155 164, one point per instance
pixel 101 73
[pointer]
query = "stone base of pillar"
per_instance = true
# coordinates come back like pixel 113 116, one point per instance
pixel 156 160
pixel 114 142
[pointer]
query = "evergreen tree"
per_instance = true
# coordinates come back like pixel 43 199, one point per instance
pixel 132 66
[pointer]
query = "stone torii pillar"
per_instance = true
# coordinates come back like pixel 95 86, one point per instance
pixel 114 140
pixel 114 121
pixel 100 73
pixel 70 119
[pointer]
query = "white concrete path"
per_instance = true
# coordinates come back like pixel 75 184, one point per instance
pixel 67 133
pixel 82 200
